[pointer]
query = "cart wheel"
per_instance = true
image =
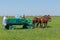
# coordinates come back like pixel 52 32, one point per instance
pixel 25 27
pixel 7 27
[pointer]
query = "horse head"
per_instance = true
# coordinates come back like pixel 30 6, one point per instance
pixel 49 17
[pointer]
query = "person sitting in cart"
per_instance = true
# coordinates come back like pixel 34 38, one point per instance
pixel 24 16
pixel 17 16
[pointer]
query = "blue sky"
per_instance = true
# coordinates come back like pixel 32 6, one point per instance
pixel 29 7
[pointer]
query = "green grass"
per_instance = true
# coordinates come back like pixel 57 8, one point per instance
pixel 51 33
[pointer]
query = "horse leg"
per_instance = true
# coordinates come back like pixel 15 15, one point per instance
pixel 37 24
pixel 41 25
pixel 45 24
pixel 33 25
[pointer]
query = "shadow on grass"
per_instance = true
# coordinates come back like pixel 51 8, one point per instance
pixel 20 28
pixel 32 28
pixel 49 26
pixel 46 27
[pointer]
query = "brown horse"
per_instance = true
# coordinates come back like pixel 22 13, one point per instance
pixel 35 21
pixel 44 20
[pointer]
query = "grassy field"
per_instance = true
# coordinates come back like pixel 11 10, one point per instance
pixel 51 33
